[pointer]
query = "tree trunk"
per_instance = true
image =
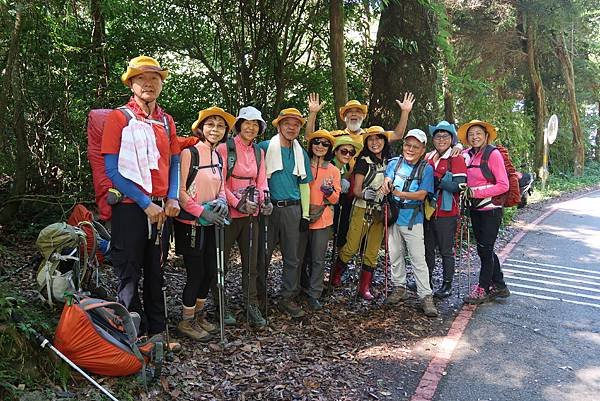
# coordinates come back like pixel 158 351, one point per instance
pixel 404 60
pixel 537 92
pixel 98 42
pixel 597 155
pixel 448 99
pixel 569 76
pixel 13 52
pixel 336 54
pixel 9 211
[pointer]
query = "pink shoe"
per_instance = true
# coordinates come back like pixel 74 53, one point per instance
pixel 477 296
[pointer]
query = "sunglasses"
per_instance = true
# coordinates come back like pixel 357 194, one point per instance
pixel 323 142
pixel 346 152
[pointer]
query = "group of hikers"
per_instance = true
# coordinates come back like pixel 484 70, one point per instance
pixel 221 188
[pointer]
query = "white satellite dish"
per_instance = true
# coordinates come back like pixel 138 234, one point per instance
pixel 552 129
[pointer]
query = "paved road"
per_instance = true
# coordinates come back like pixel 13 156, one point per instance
pixel 543 343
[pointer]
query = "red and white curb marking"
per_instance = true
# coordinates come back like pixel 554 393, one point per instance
pixel 437 366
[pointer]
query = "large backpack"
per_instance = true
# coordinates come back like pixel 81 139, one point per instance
pixel 513 196
pixel 101 337
pixel 64 261
pixel 95 128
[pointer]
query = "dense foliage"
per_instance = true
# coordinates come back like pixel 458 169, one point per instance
pixel 60 59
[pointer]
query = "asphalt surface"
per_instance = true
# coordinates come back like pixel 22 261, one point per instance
pixel 543 343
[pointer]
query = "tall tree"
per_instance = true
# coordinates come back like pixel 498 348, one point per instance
pixel 336 54
pixel 566 65
pixel 405 59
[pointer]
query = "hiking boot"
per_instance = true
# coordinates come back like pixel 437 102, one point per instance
pixel 290 307
pixel 397 295
pixel 477 296
pixel 201 322
pixel 255 318
pixel 428 306
pixel 189 329
pixel 228 317
pixel 501 293
pixel 337 270
pixel 363 285
pixel 444 291
pixel 314 304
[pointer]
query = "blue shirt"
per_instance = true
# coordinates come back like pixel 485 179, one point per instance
pixel 283 184
pixel 426 184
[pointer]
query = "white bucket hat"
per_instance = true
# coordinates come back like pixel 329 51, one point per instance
pixel 251 113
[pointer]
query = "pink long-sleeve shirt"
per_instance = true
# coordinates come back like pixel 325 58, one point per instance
pixel 480 186
pixel 245 166
pixel 208 184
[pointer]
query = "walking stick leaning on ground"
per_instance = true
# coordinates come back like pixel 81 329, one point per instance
pixel 367 222
pixel 386 209
pixel 334 250
pixel 43 342
pixel 219 241
pixel 267 200
pixel 250 191
pixel 462 230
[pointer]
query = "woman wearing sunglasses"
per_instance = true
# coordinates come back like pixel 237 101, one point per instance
pixel 324 193
pixel 344 151
pixel 366 221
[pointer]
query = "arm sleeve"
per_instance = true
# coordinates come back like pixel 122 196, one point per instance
pixel 309 176
pixel 174 175
pixel 232 200
pixel 124 185
pixel 305 200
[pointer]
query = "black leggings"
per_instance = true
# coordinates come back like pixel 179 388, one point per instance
pixel 486 224
pixel 199 259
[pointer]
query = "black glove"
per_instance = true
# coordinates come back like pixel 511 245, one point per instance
pixel 304 225
pixel 266 208
pixel 220 208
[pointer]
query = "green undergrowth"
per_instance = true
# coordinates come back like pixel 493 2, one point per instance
pixel 560 183
pixel 25 366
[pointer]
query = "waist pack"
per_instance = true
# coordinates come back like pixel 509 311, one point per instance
pixel 101 337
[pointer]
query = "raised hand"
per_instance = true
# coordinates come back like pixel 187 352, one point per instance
pixel 313 103
pixel 407 103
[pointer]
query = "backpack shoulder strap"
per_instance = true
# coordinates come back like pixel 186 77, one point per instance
pixel 127 112
pixel 257 157
pixel 194 163
pixel 416 173
pixel 231 157
pixel 371 172
pixel 485 169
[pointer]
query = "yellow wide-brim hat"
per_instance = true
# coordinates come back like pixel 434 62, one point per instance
pixel 322 133
pixel 347 140
pixel 140 65
pixel 351 104
pixel 289 113
pixel 462 130
pixel 214 111
pixel 376 130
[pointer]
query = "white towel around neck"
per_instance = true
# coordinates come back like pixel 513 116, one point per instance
pixel 273 161
pixel 138 153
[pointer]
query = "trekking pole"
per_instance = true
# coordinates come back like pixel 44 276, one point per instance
pixel 251 190
pixel 43 342
pixel 334 250
pixel 159 239
pixel 219 237
pixel 367 221
pixel 385 238
pixel 266 246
